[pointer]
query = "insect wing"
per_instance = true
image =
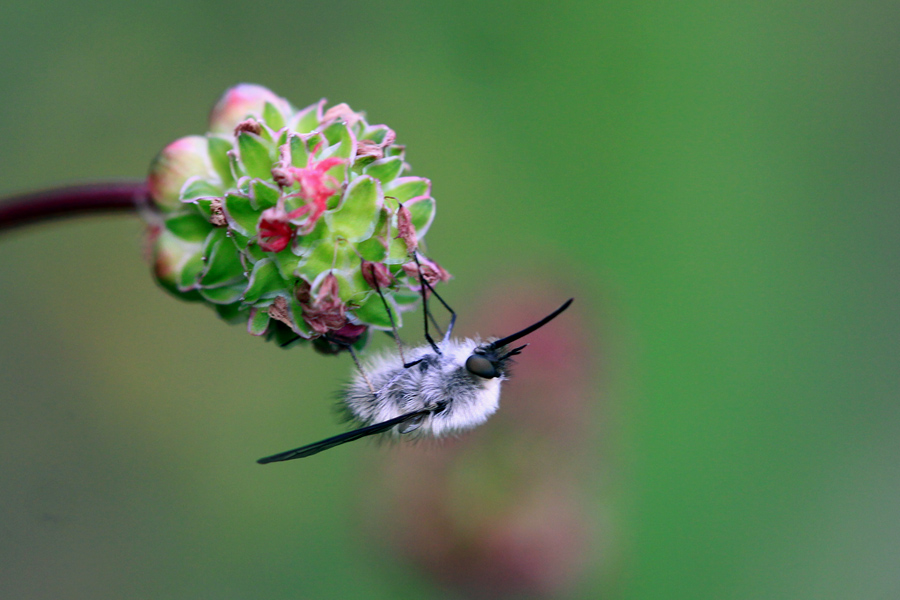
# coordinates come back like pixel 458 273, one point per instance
pixel 342 438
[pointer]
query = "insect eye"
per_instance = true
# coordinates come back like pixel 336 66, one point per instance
pixel 481 366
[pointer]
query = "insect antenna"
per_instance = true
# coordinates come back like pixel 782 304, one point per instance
pixel 342 438
pixel 520 334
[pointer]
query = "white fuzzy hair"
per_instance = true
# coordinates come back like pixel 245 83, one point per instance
pixel 437 380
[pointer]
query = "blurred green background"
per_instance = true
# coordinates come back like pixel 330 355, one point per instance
pixel 720 179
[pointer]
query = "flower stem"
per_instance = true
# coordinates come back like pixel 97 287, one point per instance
pixel 70 201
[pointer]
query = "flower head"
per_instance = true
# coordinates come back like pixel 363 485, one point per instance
pixel 291 219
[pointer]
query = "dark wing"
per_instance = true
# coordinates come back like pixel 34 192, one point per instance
pixel 343 438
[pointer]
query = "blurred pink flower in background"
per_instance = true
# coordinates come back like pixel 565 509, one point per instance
pixel 503 511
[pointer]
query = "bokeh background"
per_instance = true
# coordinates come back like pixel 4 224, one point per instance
pixel 716 182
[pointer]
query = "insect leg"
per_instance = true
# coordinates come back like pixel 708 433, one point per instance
pixel 425 304
pixel 425 285
pixel 435 324
pixel 290 341
pixel 396 334
pixel 360 369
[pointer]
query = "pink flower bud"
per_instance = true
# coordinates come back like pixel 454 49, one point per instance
pixel 167 255
pixel 282 177
pixel 279 311
pixel 349 333
pixel 179 161
pixel 240 102
pixel 405 229
pixel 217 215
pixel 275 230
pixel 281 172
pixel 327 312
pixel 302 292
pixel 341 111
pixel 328 294
pixel 248 125
pixel 369 148
pixel 431 271
pixel 376 275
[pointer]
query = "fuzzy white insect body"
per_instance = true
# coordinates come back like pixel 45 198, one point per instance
pixel 443 388
pixel 455 398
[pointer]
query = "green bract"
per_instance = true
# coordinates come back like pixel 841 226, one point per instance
pixel 287 220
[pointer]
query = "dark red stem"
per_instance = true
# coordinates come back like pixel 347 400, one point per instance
pixel 71 201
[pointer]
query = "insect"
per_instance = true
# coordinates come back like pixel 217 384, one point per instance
pixel 443 388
